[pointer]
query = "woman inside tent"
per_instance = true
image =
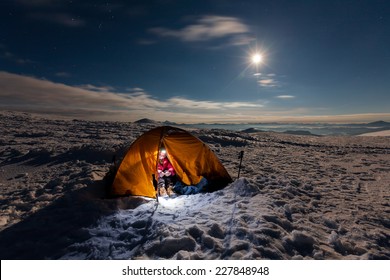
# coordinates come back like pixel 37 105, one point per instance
pixel 166 175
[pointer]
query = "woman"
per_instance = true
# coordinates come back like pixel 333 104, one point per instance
pixel 166 175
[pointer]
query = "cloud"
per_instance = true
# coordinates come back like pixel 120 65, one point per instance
pixel 135 89
pixel 24 91
pixel 192 105
pixel 33 94
pixel 13 57
pixel 97 88
pixel 285 96
pixel 208 28
pixel 269 81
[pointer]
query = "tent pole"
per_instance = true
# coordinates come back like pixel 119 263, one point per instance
pixel 240 156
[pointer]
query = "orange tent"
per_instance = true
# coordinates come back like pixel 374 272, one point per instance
pixel 190 157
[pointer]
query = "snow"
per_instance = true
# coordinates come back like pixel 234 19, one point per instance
pixel 299 197
pixel 378 133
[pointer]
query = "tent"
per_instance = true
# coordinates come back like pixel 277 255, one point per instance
pixel 191 158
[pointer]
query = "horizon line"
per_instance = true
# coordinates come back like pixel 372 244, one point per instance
pixel 364 118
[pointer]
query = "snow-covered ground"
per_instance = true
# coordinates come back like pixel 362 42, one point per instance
pixel 379 133
pixel 299 197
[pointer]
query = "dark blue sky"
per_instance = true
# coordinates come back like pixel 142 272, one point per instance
pixel 189 61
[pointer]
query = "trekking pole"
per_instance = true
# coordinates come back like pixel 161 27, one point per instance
pixel 156 187
pixel 240 156
pixel 114 161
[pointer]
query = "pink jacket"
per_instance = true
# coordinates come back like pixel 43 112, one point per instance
pixel 166 165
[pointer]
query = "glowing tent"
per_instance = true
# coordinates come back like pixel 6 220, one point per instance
pixel 191 158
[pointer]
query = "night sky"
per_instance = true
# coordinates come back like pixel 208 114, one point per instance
pixel 190 61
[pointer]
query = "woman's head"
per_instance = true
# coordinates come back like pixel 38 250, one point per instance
pixel 162 154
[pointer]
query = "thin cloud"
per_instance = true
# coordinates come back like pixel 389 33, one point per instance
pixel 242 105
pixel 15 58
pixel 97 88
pixel 208 28
pixel 135 89
pixel 269 81
pixel 241 39
pixel 209 105
pixel 285 96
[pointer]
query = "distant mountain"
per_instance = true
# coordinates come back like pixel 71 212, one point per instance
pixel 252 130
pixel 169 123
pixel 299 132
pixel 149 121
pixel 379 124
pixel 146 121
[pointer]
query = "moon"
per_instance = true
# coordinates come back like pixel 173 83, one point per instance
pixel 257 58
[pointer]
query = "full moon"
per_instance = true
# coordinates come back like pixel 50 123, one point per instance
pixel 256 58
